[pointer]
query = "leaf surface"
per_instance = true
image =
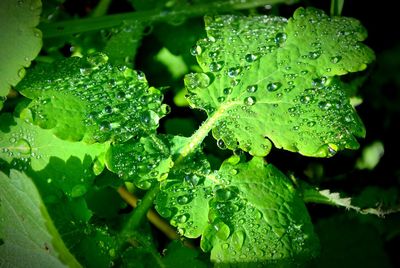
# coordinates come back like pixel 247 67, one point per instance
pixel 21 41
pixel 28 236
pixel 67 164
pixel 247 212
pixel 267 80
pixel 88 99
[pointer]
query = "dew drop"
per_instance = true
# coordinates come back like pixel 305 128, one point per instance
pixel 221 144
pixel 182 200
pixel 323 105
pixel 305 99
pixel 280 38
pixel 196 50
pixel 216 66
pixel 105 126
pixel 234 71
pixel 249 101
pixel 194 80
pixel 227 91
pixel 273 86
pixel 221 99
pixel 311 123
pixel 314 54
pixel 335 59
pixel 250 58
pixel 252 88
pixel 22 146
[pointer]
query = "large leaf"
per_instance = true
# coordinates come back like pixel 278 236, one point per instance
pixel 20 40
pixel 64 163
pixel 267 80
pixel 88 99
pixel 27 235
pixel 247 212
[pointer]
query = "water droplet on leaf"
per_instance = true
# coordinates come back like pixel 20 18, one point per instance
pixel 273 86
pixel 249 101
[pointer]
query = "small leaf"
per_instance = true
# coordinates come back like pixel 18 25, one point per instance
pixel 142 162
pixel 245 212
pixel 267 80
pixel 28 236
pixel 63 163
pixel 122 46
pixel 184 195
pixel 88 99
pixel 268 222
pixel 21 41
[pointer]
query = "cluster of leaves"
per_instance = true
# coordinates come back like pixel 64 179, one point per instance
pixel 86 126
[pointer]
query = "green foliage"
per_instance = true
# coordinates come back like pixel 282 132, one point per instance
pixel 28 238
pixel 21 41
pixel 85 131
pixel 259 71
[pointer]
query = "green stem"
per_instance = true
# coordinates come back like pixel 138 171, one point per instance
pixel 97 23
pixel 101 8
pixel 336 7
pixel 197 138
pixel 139 214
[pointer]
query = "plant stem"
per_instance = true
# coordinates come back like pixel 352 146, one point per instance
pixel 153 217
pixel 97 23
pixel 140 212
pixel 101 8
pixel 336 7
pixel 197 138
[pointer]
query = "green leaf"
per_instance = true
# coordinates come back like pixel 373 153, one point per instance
pixel 88 99
pixel 245 212
pixel 28 236
pixel 177 255
pixel 148 160
pixel 185 193
pixel 63 163
pixel 21 41
pixel 267 80
pixel 257 217
pixel 142 162
pixel 124 42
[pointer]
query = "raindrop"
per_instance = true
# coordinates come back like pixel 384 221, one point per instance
pixel 323 105
pixel 195 50
pixel 221 144
pixel 305 99
pixel 221 99
pixel 250 58
pixel 273 86
pixel 23 146
pixel 108 109
pixel 105 126
pixel 200 80
pixel 249 101
pixel 314 54
pixel 234 71
pixel 227 91
pixel 252 88
pixel 319 82
pixel 182 200
pixel 280 38
pixel 216 66
pixel 336 59
pixel 182 218
pixel 311 123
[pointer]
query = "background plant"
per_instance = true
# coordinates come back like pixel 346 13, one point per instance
pixel 78 133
